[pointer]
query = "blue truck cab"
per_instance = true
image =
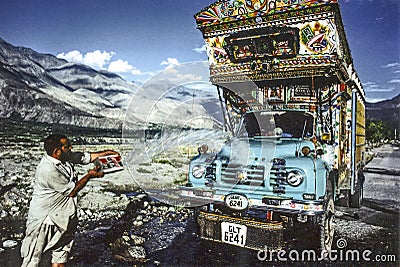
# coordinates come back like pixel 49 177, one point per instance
pixel 272 174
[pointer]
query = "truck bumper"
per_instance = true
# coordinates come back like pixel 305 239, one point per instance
pixel 241 232
pixel 285 206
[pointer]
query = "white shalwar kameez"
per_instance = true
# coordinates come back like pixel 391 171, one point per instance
pixel 52 217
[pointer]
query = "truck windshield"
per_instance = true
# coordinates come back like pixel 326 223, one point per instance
pixel 295 124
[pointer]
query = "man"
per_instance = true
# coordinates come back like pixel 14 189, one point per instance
pixel 52 217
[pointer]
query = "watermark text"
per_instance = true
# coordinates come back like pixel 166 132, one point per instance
pixel 342 254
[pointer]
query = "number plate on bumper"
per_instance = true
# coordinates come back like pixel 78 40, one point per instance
pixel 233 233
pixel 258 234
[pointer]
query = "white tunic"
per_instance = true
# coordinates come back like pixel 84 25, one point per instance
pixel 50 203
pixel 54 181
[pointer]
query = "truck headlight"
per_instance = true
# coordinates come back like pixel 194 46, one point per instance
pixel 305 150
pixel 294 178
pixel 198 171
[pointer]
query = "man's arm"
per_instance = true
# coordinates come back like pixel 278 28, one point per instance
pixel 95 155
pixel 93 173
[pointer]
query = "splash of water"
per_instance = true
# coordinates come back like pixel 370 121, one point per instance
pixel 160 165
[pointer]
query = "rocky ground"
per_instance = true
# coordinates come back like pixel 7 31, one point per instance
pixel 118 222
pixel 122 226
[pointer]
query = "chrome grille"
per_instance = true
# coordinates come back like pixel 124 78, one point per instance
pixel 278 175
pixel 251 174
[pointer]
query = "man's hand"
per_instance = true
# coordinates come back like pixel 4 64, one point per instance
pixel 95 173
pixel 95 155
pixel 92 173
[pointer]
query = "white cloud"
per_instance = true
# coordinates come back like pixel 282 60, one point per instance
pixel 374 100
pixel 136 71
pixel 102 60
pixel 73 56
pixel 368 86
pixel 391 65
pixel 200 50
pixel 120 66
pixel 395 81
pixel 380 90
pixel 95 59
pixel 170 61
pixel 123 66
pixel 372 87
pixel 175 76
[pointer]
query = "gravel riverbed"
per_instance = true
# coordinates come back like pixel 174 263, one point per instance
pixel 120 225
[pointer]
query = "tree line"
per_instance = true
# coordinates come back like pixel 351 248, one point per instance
pixel 378 131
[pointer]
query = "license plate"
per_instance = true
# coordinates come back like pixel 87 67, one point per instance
pixel 236 202
pixel 234 234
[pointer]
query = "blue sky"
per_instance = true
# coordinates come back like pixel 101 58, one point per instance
pixel 139 38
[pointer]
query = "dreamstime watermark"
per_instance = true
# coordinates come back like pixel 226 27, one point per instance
pixel 341 254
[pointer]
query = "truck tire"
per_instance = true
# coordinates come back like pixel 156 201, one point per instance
pixel 317 233
pixel 357 198
pixel 325 227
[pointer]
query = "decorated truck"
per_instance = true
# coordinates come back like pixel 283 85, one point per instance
pixel 293 106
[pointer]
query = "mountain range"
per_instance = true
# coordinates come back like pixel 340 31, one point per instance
pixel 43 88
pixel 387 111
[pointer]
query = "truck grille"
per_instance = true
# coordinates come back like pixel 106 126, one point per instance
pixel 238 174
pixel 278 176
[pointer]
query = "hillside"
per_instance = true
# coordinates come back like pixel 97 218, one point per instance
pixel 387 110
pixel 41 88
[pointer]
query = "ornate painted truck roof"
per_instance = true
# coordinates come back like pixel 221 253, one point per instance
pixel 276 40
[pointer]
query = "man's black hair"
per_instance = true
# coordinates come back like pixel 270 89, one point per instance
pixel 53 142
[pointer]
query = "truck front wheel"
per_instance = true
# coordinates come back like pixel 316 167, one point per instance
pixel 325 225
pixel 319 228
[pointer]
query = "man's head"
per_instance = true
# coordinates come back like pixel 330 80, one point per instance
pixel 58 146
